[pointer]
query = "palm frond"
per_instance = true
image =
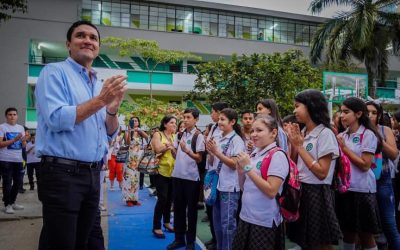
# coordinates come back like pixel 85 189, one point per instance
pixel 317 6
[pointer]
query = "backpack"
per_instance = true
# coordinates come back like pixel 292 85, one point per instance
pixel 342 173
pixel 201 165
pixel 376 164
pixel 289 199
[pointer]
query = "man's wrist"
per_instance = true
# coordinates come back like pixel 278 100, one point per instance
pixel 110 113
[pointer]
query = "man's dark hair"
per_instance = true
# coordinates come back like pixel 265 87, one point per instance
pixel 246 111
pixel 77 24
pixel 194 111
pixel 218 106
pixel 9 110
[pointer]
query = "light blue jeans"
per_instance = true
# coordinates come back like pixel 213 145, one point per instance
pixel 385 197
pixel 224 216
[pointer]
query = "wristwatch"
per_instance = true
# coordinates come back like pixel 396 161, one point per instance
pixel 247 168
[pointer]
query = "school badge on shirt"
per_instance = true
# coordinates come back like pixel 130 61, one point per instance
pixel 258 166
pixel 356 140
pixel 309 147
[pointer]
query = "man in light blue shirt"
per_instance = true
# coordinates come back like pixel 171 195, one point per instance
pixel 76 117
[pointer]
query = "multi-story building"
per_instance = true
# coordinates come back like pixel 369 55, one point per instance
pixel 210 30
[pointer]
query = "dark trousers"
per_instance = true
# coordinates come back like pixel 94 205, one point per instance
pixel 11 173
pixel 32 167
pixel 70 198
pixel 164 200
pixel 96 238
pixel 209 211
pixel 186 195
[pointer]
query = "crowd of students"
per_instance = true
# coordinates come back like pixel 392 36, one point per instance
pixel 246 214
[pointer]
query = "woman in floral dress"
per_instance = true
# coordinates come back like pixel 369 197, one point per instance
pixel 137 141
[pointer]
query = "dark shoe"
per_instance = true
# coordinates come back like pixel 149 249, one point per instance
pixel 176 245
pixel 153 194
pixel 32 187
pixel 169 228
pixel 21 191
pixel 200 205
pixel 158 235
pixel 212 247
pixel 190 246
pixel 140 188
pixel 210 242
pixel 205 219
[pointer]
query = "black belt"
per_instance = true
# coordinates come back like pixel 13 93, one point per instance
pixel 72 163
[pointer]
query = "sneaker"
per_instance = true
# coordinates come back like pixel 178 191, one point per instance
pixel 17 207
pixel 9 210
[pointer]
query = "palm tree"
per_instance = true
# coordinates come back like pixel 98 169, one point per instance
pixel 366 32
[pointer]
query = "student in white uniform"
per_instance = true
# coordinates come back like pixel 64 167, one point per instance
pixel 358 208
pixel 260 224
pixel 269 107
pixel 225 208
pixel 317 150
pixel 186 182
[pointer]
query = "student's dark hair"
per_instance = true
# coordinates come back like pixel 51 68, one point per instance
pixel 165 120
pixel 316 105
pixel 246 111
pixel 379 110
pixel 137 119
pixel 218 106
pixel 396 116
pixel 10 109
pixel 271 123
pixel 357 105
pixel 194 111
pixel 289 119
pixel 179 125
pixel 231 114
pixel 76 25
pixel 386 119
pixel 271 105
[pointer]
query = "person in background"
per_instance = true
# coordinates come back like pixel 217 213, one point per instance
pixel 163 145
pixel 33 162
pixel 114 167
pixel 247 119
pixel 384 188
pixel 12 140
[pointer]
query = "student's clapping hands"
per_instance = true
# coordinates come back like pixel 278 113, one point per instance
pixel 211 147
pixel 294 135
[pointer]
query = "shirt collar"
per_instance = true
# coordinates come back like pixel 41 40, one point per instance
pixel 359 131
pixel 316 131
pixel 259 152
pixel 79 68
pixel 191 131
pixel 229 135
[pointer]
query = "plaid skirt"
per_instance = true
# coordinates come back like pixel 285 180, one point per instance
pixel 253 237
pixel 318 224
pixel 358 212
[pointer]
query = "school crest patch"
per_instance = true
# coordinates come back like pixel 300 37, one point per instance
pixel 309 147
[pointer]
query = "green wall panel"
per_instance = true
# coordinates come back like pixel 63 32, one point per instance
pixel 143 77
pixel 34 70
pixel 31 115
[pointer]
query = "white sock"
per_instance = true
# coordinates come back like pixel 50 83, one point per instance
pixel 349 246
pixel 374 248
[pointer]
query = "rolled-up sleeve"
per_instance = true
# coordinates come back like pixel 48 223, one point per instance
pixel 369 142
pixel 53 100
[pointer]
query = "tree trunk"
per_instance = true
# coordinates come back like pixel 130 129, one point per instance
pixel 151 87
pixel 371 85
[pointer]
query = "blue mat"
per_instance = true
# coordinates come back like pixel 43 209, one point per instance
pixel 130 227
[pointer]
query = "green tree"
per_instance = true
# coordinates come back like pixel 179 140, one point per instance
pixel 365 32
pixel 149 53
pixel 247 79
pixel 7 6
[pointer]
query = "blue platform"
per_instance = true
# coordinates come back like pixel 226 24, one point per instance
pixel 131 227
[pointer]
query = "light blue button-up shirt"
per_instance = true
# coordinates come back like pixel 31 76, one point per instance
pixel 60 88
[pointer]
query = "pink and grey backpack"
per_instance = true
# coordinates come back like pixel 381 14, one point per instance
pixel 342 174
pixel 289 199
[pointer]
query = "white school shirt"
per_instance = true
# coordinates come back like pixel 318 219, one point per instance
pixel 228 178
pixel 257 207
pixel 185 167
pixel 321 141
pixel 213 133
pixel 13 152
pixel 30 153
pixel 361 181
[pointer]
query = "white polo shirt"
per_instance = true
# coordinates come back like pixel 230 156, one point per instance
pixel 258 208
pixel 185 167
pixel 361 181
pixel 321 141
pixel 213 133
pixel 13 152
pixel 228 178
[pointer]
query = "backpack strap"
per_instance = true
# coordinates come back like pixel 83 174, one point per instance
pixel 267 161
pixel 194 140
pixel 362 135
pixel 224 152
